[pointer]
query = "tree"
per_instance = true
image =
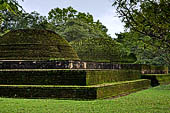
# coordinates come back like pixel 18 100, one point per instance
pixel 67 22
pixel 96 49
pixel 134 42
pixel 25 20
pixel 150 18
pixel 75 29
pixel 10 5
pixel 59 16
pixel 74 25
pixel 101 50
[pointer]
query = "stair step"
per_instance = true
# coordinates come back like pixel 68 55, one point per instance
pixel 73 92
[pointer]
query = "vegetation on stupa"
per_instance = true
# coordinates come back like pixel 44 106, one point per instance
pixel 33 44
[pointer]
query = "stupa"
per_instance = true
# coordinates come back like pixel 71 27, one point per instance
pixel 31 44
pixel 41 64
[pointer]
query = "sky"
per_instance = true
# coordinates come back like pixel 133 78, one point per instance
pixel 100 9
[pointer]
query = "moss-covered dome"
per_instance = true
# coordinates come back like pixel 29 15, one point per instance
pixel 31 44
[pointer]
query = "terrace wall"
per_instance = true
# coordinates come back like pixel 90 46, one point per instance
pixel 22 64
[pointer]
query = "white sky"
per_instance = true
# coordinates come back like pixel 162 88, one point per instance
pixel 100 9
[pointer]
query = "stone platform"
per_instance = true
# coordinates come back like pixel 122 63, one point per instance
pixel 73 92
pixel 69 84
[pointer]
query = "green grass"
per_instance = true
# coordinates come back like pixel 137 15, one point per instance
pixel 153 100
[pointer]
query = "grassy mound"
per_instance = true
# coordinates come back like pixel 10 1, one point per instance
pixel 31 44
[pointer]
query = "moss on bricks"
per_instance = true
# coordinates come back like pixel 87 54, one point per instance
pixel 31 44
pixel 34 91
pixel 108 76
pixel 65 76
pixel 43 77
pixel 73 92
pixel 124 87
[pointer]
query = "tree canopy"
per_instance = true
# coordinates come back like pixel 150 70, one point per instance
pixel 10 5
pixel 23 21
pixel 74 25
pixel 101 50
pixel 67 22
pixel 150 18
pixel 134 42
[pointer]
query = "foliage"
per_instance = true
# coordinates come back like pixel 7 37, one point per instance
pixel 102 50
pixel 97 49
pixel 59 16
pixel 10 5
pixel 25 20
pixel 75 29
pixel 74 25
pixel 67 22
pixel 153 100
pixel 137 44
pixel 151 19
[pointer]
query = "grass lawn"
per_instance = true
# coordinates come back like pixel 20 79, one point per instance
pixel 153 100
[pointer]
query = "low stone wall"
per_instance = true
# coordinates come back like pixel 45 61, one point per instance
pixel 22 64
pixel 34 64
pixel 152 69
pixel 64 65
